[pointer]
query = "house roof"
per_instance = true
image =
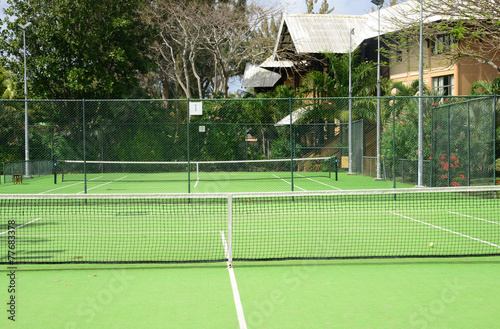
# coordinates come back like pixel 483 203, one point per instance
pixel 321 33
pixel 255 76
pixel 318 33
pixel 270 63
pixel 296 116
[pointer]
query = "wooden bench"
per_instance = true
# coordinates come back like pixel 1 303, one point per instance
pixel 17 178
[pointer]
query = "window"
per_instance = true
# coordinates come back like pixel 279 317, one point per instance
pixel 443 85
pixel 443 43
pixel 399 56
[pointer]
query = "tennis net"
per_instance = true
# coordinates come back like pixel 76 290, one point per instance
pixel 141 228
pixel 138 171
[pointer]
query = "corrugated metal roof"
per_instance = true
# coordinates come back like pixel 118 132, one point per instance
pixel 317 33
pixel 255 76
pixel 324 33
pixel 296 116
pixel 270 63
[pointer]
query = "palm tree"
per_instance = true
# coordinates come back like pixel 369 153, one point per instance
pixel 335 83
pixel 484 87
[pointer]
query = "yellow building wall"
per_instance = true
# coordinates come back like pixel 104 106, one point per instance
pixel 466 72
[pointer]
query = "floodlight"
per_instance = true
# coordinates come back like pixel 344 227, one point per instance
pixel 378 2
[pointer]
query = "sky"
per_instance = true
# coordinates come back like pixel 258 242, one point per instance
pixel 342 7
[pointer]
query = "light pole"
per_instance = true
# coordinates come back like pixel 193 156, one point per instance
pixel 26 132
pixel 420 176
pixel 351 33
pixel 379 4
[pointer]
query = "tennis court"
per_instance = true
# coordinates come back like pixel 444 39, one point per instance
pixel 179 183
pixel 311 233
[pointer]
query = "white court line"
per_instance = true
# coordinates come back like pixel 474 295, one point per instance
pixel 484 220
pixel 102 184
pixel 68 186
pixel 316 181
pixel 15 228
pixel 289 182
pixel 236 293
pixel 196 184
pixel 444 229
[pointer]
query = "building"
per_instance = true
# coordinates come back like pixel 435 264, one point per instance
pixel 302 40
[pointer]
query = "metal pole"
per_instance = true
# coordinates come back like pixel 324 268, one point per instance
pixel 26 130
pixel 350 103
pixel 420 179
pixel 187 144
pixel 379 118
pixel 292 148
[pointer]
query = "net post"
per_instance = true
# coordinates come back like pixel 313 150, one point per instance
pixel 336 168
pixel 54 170
pixel 229 231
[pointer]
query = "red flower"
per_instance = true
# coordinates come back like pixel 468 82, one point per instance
pixel 444 176
pixel 455 183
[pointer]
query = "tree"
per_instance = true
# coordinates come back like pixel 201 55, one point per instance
pixel 77 48
pixel 474 27
pixel 483 87
pixel 7 84
pixel 201 45
pixel 335 83
pixel 324 9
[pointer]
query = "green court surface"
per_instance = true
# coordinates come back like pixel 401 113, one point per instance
pixel 438 293
pixel 211 183
pixel 434 291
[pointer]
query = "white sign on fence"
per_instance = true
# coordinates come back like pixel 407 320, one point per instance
pixel 195 108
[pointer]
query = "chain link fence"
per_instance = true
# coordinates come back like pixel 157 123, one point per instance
pixel 460 134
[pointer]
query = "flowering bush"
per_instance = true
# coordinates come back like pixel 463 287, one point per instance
pixel 451 168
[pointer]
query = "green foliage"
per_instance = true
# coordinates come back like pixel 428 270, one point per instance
pixel 405 127
pixel 483 87
pixel 11 131
pixel 324 9
pixel 78 48
pixel 7 84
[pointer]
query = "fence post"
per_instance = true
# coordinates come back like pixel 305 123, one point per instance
pixel 187 144
pixel 495 139
pixel 291 139
pixel 84 147
pixel 394 142
pixel 448 146
pixel 468 142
